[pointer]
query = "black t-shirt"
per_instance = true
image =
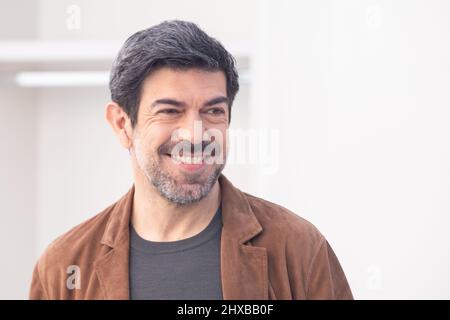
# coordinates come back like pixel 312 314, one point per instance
pixel 176 270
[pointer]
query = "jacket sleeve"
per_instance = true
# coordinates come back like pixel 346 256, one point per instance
pixel 326 279
pixel 37 290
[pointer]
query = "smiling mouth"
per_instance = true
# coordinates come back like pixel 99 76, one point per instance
pixel 195 159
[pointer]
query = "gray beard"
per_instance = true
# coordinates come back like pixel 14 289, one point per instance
pixel 178 193
pixel 190 192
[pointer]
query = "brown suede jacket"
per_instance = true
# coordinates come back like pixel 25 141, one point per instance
pixel 267 252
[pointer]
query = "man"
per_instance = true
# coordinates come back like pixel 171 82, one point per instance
pixel 184 231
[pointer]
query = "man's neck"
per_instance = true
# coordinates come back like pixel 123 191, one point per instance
pixel 156 219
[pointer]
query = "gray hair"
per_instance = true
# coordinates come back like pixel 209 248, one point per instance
pixel 175 44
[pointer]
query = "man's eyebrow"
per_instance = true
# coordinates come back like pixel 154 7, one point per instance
pixel 216 100
pixel 176 103
pixel 172 102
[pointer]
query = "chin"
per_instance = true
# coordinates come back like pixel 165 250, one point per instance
pixel 186 194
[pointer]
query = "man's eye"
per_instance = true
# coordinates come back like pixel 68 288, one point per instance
pixel 215 111
pixel 169 111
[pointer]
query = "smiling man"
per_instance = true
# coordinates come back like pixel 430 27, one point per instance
pixel 183 231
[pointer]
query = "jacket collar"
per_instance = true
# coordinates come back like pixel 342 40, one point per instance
pixel 243 266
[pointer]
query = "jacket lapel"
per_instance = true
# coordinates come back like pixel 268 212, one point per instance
pixel 113 275
pixel 243 266
pixel 112 267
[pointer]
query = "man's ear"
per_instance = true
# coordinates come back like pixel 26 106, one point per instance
pixel 120 122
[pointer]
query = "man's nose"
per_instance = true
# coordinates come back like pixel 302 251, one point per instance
pixel 192 128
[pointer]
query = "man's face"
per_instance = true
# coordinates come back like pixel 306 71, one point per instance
pixel 179 112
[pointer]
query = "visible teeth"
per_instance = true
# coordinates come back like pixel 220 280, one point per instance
pixel 197 160
pixel 189 160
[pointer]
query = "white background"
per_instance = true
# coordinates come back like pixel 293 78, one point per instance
pixel 357 91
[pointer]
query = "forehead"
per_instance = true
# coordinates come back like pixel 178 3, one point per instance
pixel 190 82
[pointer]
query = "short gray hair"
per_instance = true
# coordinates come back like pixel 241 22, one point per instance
pixel 175 44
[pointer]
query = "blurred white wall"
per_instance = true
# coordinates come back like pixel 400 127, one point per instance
pixel 17 163
pixel 360 91
pixel 17 191
pixel 232 21
pixel 356 91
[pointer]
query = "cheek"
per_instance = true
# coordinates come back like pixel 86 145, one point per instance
pixel 221 136
pixel 153 137
pixel 225 145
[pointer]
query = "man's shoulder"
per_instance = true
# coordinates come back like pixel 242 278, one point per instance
pixel 281 223
pixel 85 232
pixel 294 245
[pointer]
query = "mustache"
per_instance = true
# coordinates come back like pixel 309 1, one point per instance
pixel 186 147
